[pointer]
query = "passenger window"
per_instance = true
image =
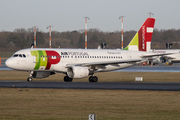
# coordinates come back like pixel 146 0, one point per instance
pixel 24 55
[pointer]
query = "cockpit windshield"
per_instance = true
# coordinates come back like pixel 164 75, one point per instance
pixel 19 55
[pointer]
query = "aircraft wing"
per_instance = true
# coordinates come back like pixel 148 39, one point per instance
pixel 104 63
pixel 155 55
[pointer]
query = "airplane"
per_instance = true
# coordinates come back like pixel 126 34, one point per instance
pixel 172 56
pixel 142 39
pixel 80 63
pixel 167 59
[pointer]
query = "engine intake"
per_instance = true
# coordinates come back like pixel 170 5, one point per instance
pixel 77 72
pixel 159 60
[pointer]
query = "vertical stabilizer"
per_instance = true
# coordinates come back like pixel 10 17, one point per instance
pixel 142 40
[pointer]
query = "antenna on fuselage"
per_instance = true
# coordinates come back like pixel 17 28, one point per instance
pixel 32 46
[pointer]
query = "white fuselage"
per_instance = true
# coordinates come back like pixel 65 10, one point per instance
pixel 175 57
pixel 59 59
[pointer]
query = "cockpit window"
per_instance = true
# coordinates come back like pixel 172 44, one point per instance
pixel 19 55
pixel 15 55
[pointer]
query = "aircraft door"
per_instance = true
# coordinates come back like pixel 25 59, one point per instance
pixel 76 58
pixel 35 59
pixel 129 55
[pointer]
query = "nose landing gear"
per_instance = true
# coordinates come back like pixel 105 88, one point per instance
pixel 29 79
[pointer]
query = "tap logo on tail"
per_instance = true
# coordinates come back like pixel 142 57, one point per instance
pixel 142 39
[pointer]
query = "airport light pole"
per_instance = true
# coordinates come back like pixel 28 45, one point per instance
pixel 34 36
pixel 86 31
pixel 150 14
pixel 121 17
pixel 49 36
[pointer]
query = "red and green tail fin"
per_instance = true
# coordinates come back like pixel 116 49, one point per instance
pixel 142 40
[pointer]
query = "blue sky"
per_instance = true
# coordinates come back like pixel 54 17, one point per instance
pixel 67 15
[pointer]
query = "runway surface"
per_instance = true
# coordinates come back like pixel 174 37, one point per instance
pixel 160 86
pixel 103 85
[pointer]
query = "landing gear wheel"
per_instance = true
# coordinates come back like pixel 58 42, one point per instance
pixel 67 79
pixel 29 79
pixel 93 79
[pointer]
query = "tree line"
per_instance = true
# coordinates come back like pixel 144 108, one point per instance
pixel 23 38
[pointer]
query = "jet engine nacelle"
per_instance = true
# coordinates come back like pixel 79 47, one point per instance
pixel 159 60
pixel 42 74
pixel 77 72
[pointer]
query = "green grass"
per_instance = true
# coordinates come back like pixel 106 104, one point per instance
pixel 70 104
pixel 67 104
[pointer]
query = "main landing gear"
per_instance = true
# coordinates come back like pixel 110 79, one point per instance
pixel 67 79
pixel 93 79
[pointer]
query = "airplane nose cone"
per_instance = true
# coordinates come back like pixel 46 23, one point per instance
pixel 9 63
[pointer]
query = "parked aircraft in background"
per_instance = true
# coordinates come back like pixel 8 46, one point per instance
pixel 80 63
pixel 168 59
pixel 141 41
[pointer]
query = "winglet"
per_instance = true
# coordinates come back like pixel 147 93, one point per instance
pixel 142 40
